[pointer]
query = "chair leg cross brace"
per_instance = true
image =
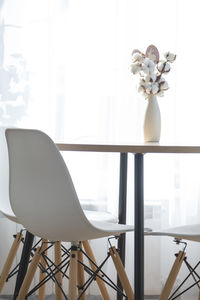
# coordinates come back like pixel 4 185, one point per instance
pixel 51 272
pixel 180 258
pixel 77 284
pixel 192 272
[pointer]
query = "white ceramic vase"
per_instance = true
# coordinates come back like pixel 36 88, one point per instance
pixel 152 120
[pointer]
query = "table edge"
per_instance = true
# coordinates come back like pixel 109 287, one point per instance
pixel 147 148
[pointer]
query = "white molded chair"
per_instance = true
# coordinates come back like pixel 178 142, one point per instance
pixel 7 211
pixel 43 198
pixel 180 235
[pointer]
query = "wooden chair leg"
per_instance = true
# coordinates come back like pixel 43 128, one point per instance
pixel 80 273
pixel 10 258
pixel 58 260
pixel 41 294
pixel 101 284
pixel 31 272
pixel 73 275
pixel 172 276
pixel 121 273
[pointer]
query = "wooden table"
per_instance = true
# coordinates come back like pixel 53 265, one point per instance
pixel 138 150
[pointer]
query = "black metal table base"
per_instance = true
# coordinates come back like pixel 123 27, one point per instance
pixel 122 211
pixel 138 217
pixel 139 229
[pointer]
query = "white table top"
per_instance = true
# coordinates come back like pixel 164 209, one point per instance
pixel 134 148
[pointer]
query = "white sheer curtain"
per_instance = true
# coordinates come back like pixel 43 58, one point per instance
pixel 64 68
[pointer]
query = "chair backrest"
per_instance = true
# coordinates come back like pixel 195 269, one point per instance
pixel 42 194
pixel 5 207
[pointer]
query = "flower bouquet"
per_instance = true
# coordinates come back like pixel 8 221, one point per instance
pixel 151 70
pixel 152 84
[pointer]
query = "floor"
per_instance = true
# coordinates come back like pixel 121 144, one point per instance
pixel 50 297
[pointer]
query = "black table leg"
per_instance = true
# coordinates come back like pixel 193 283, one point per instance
pixel 25 257
pixel 139 228
pixel 122 210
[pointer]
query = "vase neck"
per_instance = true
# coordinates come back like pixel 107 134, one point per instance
pixel 152 98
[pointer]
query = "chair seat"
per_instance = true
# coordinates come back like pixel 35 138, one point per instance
pixel 187 232
pixel 10 216
pixel 112 227
pixel 100 216
pixel 90 214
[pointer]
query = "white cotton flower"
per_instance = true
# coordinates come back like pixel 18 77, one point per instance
pixel 135 68
pixel 167 67
pixel 145 69
pixel 153 77
pixel 160 94
pixel 170 56
pixel 148 88
pixel 142 86
pixel 137 57
pixel 148 66
pixel 154 88
pixel 160 66
pixel 163 66
pixel 149 62
pixel 162 79
pixel 150 78
pixel 164 86
pixel 141 89
pixel 147 78
pixel 151 65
